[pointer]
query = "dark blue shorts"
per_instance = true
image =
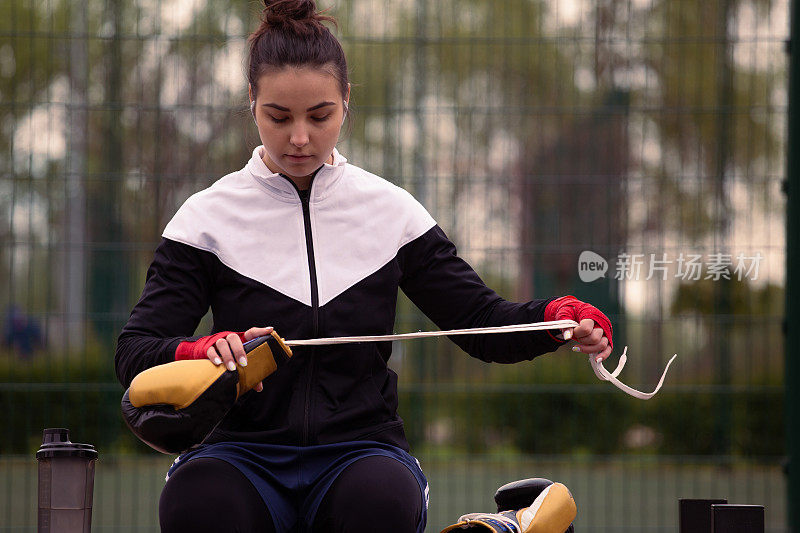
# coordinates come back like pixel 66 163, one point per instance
pixel 293 480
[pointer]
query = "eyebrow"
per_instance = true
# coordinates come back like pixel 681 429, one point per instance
pixel 312 108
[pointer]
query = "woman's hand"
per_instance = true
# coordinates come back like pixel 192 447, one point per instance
pixel 589 339
pixel 593 333
pixel 225 347
pixel 230 348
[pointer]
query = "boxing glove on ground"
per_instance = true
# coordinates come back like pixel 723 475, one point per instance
pixel 175 406
pixel 533 505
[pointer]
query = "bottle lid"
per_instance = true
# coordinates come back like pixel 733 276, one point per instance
pixel 55 443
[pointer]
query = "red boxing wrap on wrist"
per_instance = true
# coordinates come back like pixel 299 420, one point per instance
pixel 198 349
pixel 570 308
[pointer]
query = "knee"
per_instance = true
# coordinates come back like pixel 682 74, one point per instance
pixel 387 494
pixel 188 499
pixel 211 495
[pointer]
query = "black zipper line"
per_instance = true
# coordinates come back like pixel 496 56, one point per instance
pixel 312 266
pixel 305 196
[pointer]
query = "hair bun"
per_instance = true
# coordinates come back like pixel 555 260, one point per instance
pixel 278 13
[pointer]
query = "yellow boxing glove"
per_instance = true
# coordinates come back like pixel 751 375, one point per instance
pixel 533 505
pixel 175 406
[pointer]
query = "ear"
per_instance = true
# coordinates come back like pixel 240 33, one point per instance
pixel 252 102
pixel 346 105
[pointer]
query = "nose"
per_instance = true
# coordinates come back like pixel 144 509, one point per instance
pixel 299 135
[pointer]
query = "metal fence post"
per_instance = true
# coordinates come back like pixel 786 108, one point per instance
pixel 75 216
pixel 792 188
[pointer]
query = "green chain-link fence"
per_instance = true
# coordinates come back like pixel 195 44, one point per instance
pixel 548 139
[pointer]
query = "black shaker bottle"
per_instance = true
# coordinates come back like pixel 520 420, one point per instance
pixel 66 483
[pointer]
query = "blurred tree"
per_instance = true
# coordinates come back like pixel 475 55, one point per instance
pixel 510 124
pixel 436 91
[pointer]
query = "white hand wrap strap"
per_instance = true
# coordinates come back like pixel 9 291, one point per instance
pixel 514 328
pixel 603 374
pixel 598 368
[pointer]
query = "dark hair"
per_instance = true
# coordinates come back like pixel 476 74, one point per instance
pixel 292 33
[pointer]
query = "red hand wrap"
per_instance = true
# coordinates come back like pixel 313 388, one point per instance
pixel 199 348
pixel 570 308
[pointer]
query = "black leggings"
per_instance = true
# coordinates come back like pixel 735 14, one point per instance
pixel 373 494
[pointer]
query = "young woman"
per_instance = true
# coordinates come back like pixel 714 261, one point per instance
pixel 303 241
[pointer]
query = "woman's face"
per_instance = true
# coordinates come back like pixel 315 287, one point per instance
pixel 299 113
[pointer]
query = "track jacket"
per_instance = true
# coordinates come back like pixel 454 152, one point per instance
pixel 326 262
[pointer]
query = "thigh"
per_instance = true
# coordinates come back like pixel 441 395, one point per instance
pixel 373 494
pixel 211 495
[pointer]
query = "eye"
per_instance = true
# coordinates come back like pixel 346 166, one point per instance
pixel 277 120
pixel 322 118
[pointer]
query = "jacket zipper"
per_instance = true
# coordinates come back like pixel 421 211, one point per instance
pixel 305 196
pixel 312 269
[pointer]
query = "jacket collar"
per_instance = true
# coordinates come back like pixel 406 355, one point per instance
pixel 322 185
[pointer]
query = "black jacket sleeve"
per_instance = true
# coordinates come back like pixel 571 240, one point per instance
pixel 452 294
pixel 176 295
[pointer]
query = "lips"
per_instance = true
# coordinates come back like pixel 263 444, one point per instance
pixel 298 157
